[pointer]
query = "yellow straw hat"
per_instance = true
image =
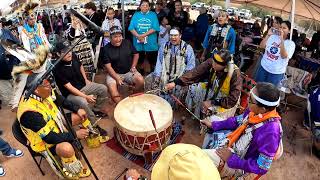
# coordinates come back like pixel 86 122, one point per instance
pixel 184 161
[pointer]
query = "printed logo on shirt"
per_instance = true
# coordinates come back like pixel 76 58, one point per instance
pixel 273 52
pixel 144 25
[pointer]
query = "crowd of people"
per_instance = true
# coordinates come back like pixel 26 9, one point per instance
pixel 165 50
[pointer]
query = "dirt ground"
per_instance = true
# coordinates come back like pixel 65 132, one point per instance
pixel 296 163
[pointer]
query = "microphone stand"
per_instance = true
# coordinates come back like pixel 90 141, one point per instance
pixel 76 141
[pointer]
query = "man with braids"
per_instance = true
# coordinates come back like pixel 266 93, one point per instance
pixel 255 140
pixel 222 91
pixel 32 34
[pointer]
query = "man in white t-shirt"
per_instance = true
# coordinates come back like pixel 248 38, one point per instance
pixel 278 51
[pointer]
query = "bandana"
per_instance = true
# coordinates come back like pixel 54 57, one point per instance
pixel 218 59
pixel 264 102
pixel 174 32
pixel 116 30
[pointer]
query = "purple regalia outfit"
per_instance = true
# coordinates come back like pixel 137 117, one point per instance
pixel 263 146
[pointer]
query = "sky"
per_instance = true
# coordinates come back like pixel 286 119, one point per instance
pixel 5 3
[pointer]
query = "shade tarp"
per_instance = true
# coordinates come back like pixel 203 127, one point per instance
pixel 304 8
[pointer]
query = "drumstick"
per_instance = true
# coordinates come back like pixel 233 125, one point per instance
pixel 181 104
pixel 124 171
pixel 155 128
pixel 152 119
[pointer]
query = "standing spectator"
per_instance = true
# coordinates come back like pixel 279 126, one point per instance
pixel 59 25
pixel 8 151
pixel 159 10
pixel 45 23
pixel 170 5
pixel 315 41
pixel 164 30
pixel 66 20
pixel 219 36
pixel 83 50
pixel 188 34
pixel 32 35
pixel 302 42
pixel 256 29
pixel 144 26
pixel 63 13
pixel 165 7
pixel 276 24
pixel 178 17
pixel 278 51
pixel 6 64
pixel 201 27
pixel 295 35
pixel 90 9
pixel 109 22
pixel 273 23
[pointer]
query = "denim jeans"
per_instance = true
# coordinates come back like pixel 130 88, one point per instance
pixel 264 76
pixel 5 148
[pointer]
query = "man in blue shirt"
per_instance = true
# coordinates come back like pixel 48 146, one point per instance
pixel 219 36
pixel 144 26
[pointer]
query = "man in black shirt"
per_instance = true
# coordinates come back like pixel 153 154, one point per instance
pixel 120 60
pixel 73 84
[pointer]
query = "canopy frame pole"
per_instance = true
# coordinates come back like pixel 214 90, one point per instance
pixel 293 9
pixel 123 20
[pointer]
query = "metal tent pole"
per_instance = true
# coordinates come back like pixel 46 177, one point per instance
pixel 293 9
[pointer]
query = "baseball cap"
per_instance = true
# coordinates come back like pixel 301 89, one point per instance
pixel 62 46
pixel 184 161
pixel 115 30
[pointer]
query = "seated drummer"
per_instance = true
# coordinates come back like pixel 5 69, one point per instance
pixel 256 138
pixel 120 59
pixel 175 57
pixel 224 86
pixel 75 86
pixel 42 124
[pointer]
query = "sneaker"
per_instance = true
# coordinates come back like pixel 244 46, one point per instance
pixel 14 153
pixel 102 131
pixel 2 172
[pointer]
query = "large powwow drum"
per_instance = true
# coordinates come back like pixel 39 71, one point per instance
pixel 134 128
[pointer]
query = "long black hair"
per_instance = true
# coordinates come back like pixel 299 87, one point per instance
pixel 288 24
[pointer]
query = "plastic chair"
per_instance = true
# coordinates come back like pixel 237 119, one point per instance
pixel 18 134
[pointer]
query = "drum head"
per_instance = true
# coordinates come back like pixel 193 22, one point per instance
pixel 132 113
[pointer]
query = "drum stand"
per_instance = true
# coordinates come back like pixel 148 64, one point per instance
pixel 77 142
